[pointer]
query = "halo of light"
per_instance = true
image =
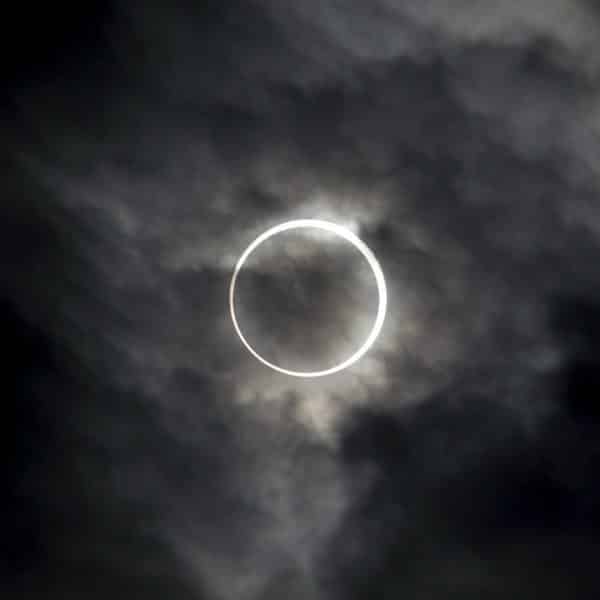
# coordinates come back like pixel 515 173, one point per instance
pixel 360 246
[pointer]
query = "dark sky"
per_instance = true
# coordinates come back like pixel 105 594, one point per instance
pixel 147 454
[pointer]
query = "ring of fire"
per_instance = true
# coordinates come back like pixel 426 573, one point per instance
pixel 347 235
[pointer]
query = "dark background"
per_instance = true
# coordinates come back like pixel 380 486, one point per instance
pixel 483 484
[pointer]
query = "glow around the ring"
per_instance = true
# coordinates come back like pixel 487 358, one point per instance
pixel 360 246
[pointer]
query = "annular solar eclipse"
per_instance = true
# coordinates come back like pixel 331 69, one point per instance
pixel 350 237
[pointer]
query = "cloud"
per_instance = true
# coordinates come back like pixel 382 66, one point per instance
pixel 467 497
pixel 460 144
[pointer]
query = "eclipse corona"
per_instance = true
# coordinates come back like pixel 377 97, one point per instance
pixel 350 237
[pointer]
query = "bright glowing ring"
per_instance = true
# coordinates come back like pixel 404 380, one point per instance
pixel 360 246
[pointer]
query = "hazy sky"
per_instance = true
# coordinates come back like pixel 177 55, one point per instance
pixel 149 454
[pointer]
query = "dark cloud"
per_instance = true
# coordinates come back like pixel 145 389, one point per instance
pixel 66 431
pixel 467 500
pixel 144 147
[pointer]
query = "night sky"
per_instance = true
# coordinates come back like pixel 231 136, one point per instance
pixel 146 454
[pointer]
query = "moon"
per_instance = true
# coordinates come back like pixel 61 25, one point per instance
pixel 347 235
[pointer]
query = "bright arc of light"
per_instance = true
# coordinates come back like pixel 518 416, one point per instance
pixel 360 246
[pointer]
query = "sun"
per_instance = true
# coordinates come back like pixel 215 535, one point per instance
pixel 350 237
